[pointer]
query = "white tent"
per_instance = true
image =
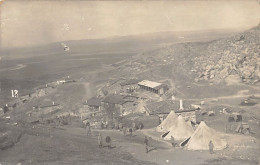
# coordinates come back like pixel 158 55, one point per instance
pixel 180 130
pixel 200 139
pixel 167 123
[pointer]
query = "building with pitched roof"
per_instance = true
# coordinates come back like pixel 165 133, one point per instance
pixel 154 87
pixel 94 103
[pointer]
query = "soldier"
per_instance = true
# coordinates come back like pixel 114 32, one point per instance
pixel 102 125
pixel 99 140
pixel 211 147
pixel 146 144
pixel 108 141
pixel 130 132
pixel 88 129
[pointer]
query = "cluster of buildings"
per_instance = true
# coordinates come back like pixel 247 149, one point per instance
pixel 123 104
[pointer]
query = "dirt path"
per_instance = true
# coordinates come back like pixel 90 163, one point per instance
pixel 47 145
pixel 67 145
pixel 238 95
pixel 161 152
pixel 89 90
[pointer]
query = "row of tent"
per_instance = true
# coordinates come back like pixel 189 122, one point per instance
pixel 175 126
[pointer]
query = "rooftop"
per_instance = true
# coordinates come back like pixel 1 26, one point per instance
pixel 164 107
pixel 94 101
pixel 150 84
pixel 114 99
pixel 161 107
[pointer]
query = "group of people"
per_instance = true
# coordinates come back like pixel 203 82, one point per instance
pixel 104 125
pixel 146 143
pixel 130 131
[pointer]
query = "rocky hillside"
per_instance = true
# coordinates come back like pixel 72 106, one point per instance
pixel 238 55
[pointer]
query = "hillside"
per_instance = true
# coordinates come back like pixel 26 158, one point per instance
pixel 238 55
pixel 213 61
pixel 51 116
pixel 119 44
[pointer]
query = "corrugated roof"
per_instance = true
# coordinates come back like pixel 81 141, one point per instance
pixel 114 99
pixel 150 84
pixel 162 107
pixel 94 101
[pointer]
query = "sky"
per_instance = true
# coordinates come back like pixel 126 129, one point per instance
pixel 27 23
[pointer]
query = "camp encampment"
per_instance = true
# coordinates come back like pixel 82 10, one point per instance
pixel 168 122
pixel 180 130
pixel 200 139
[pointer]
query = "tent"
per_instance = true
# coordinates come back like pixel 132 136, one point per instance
pixel 200 139
pixel 168 122
pixel 180 130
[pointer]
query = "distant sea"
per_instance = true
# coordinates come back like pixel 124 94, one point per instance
pixel 32 73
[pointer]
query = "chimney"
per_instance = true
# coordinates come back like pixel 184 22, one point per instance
pixel 181 105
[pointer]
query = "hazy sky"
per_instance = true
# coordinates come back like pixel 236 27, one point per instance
pixel 25 23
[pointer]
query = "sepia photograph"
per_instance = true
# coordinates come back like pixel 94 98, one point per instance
pixel 129 82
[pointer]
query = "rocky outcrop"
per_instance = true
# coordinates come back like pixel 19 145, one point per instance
pixel 238 55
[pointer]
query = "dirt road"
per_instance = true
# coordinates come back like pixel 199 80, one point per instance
pixel 46 145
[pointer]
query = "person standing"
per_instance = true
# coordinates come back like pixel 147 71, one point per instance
pixel 124 131
pixel 130 132
pixel 102 125
pixel 211 147
pixel 99 140
pixel 88 129
pixel 146 144
pixel 108 141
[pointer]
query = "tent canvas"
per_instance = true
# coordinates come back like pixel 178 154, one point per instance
pixel 168 122
pixel 200 139
pixel 181 130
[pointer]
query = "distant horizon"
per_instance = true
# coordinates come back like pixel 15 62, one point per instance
pixel 130 35
pixel 31 23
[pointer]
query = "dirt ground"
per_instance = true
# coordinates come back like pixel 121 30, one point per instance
pixel 46 143
pixel 70 145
